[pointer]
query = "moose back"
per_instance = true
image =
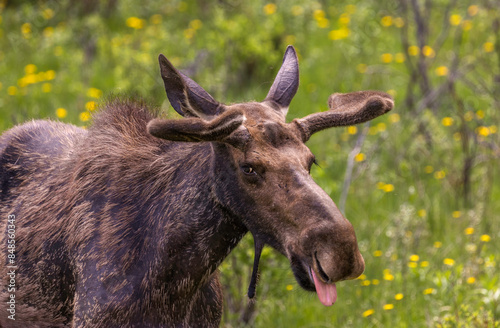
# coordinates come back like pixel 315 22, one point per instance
pixel 125 224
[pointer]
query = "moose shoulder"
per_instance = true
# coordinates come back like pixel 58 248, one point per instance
pixel 125 224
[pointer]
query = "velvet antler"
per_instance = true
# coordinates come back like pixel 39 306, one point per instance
pixel 346 109
pixel 196 129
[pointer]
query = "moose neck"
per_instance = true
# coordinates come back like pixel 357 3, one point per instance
pixel 200 231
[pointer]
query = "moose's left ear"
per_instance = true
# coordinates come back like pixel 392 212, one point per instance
pixel 346 109
pixel 286 83
pixel 185 95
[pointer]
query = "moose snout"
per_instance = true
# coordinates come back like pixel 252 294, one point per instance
pixel 333 252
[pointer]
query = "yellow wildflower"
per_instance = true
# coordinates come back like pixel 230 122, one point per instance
pixel 398 296
pixel 368 313
pixel 422 213
pixel 361 68
pixel 449 262
pixel 439 174
pixel 61 112
pixel 424 264
pixel 196 24
pixel 485 238
pixel 466 25
pixel 469 231
pixel 359 157
pixel 437 244
pixel 429 291
pixel 455 19
pixel 488 47
pixel 386 58
pixel 413 50
pixel 270 8
pixel 318 14
pixel 428 52
pixel 414 258
pixel 339 34
pixel 12 90
pixel 388 307
pixel 344 19
pixel 473 10
pixel 94 93
pixel 50 75
pixel 48 31
pixel 386 21
pixel 388 187
pixel 84 116
pixel 135 23
pixel 352 129
pixel 388 276
pixel 91 105
pixel 399 22
pixel 30 68
pixel 323 23
pixel 46 87
pixel 400 57
pixel 447 121
pixel 26 28
pixel 48 13
pixel 483 131
pixel 289 287
pixel 471 280
pixel 394 118
pixel 442 71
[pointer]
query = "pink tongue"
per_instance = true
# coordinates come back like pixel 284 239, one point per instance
pixel 327 293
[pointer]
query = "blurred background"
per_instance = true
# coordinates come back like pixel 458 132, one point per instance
pixel 421 185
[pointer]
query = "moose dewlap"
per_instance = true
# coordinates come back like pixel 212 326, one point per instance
pixel 125 224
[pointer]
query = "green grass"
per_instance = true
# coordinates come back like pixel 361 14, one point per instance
pixel 424 195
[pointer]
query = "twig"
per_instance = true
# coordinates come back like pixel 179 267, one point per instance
pixel 350 164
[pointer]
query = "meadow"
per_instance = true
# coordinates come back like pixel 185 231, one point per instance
pixel 421 185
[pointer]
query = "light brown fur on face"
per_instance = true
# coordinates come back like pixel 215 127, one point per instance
pixel 125 224
pixel 298 217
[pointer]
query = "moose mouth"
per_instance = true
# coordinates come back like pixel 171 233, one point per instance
pixel 308 279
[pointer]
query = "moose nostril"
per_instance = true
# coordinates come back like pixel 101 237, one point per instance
pixel 321 272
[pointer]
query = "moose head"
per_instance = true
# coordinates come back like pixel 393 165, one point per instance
pixel 261 170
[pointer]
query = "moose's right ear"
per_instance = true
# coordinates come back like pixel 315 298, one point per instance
pixel 185 95
pixel 286 83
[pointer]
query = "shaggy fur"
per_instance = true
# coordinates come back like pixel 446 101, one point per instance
pixel 125 224
pixel 108 234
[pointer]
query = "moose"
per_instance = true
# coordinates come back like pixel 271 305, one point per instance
pixel 124 224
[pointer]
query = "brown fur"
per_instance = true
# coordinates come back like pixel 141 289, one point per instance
pixel 123 225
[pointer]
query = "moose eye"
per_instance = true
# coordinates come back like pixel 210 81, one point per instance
pixel 248 170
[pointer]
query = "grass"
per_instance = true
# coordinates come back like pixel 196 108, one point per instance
pixel 425 186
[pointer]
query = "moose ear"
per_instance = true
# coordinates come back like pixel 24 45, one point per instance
pixel 286 83
pixel 346 109
pixel 185 95
pixel 196 129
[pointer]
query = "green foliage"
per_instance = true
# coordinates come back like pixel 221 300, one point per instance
pixel 424 191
